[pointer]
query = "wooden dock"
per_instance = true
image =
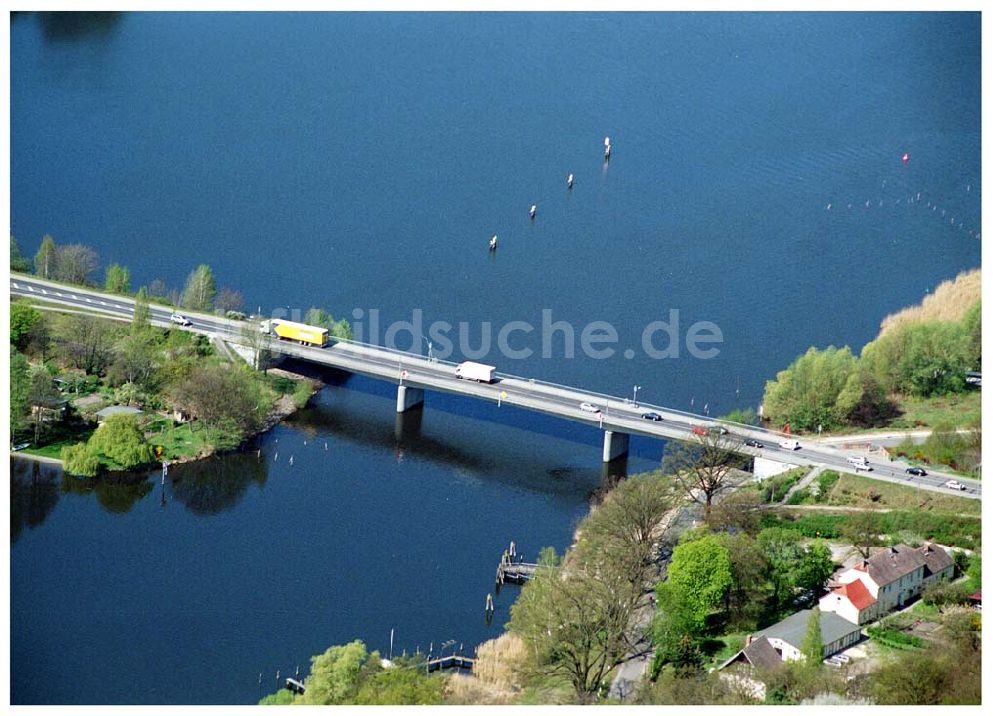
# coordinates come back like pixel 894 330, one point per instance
pixel 455 661
pixel 513 569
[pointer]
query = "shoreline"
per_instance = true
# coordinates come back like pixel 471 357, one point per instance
pixel 284 408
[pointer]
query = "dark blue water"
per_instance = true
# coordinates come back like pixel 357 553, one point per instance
pixel 240 566
pixel 363 161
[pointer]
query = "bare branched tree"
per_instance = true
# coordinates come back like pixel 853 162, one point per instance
pixel 707 465
pixel 259 342
pixel 863 530
pixel 574 622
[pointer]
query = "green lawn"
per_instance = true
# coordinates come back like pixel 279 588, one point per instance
pixel 962 410
pixel 60 438
pixel 177 441
pixel 855 490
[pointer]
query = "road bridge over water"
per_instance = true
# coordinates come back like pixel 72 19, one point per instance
pixel 617 419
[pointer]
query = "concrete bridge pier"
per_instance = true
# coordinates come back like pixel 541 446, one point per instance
pixel 408 426
pixel 614 470
pixel 407 398
pixel 615 445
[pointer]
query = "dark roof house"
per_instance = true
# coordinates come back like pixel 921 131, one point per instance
pixel 758 653
pixel 891 564
pixel 792 630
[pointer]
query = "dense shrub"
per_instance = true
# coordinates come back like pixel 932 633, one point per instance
pixel 80 459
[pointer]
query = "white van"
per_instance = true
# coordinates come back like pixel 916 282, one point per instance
pixel 789 444
pixel 860 463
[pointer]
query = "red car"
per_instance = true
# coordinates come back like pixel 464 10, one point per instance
pixel 698 430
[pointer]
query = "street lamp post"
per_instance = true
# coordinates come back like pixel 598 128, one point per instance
pixel 635 391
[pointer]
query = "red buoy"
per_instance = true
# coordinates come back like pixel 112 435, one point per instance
pixel 906 157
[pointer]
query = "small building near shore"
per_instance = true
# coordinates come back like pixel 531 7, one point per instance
pixel 787 637
pixel 743 669
pixel 103 415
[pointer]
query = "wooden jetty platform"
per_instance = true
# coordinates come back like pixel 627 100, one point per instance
pixel 455 661
pixel 513 569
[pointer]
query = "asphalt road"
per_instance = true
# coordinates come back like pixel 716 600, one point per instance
pixel 614 413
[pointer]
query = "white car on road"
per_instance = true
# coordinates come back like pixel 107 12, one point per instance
pixel 589 407
pixel 954 485
pixel 180 319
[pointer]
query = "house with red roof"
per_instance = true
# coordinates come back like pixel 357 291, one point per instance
pixel 886 581
pixel 852 601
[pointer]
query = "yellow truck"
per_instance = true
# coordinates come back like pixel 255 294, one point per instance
pixel 299 332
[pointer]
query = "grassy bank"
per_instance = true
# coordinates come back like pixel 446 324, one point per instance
pixel 963 410
pixel 849 490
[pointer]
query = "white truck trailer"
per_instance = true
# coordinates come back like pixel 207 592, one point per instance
pixel 475 371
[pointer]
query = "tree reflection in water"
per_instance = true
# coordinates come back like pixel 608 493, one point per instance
pixel 216 484
pixel 71 26
pixel 117 493
pixel 34 491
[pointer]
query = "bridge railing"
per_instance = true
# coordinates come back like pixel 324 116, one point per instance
pixel 235 327
pixel 696 418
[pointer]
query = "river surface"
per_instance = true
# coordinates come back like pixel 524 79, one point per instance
pixel 361 162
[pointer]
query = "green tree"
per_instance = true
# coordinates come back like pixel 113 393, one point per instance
pixel 117 279
pixel 45 259
pixel 80 459
pixel 342 330
pixel 226 399
pixel 129 394
pixel 625 527
pixel 808 393
pixel 121 440
pixel 86 342
pixel 337 673
pixel 574 621
pixel 972 326
pixel 934 362
pixel 698 579
pixel 42 398
pixel 924 358
pixel 135 359
pixel 812 642
pixel 783 554
pixel 199 291
pixel 18 261
pixel 320 317
pixel 281 697
pixel 20 390
pixel 911 678
pixel 745 600
pixel 140 313
pixel 397 686
pixel 862 530
pixel 814 569
pixel 23 320
pixel 746 416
